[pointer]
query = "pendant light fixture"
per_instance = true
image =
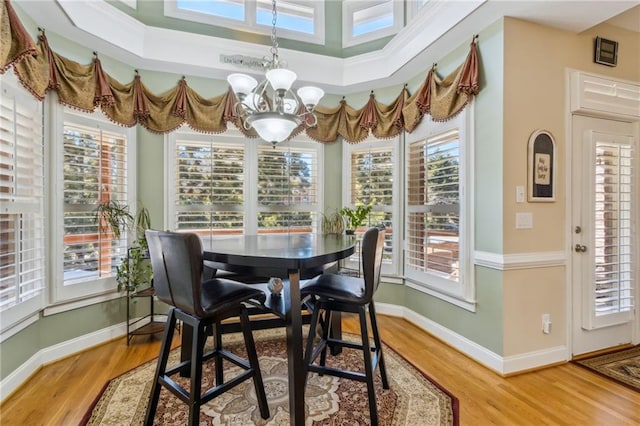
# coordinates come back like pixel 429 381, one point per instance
pixel 271 108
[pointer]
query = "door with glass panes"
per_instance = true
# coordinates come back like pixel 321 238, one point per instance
pixel 604 242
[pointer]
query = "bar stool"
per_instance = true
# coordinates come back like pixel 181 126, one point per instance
pixel 177 262
pixel 341 293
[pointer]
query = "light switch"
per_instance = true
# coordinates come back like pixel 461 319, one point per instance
pixel 524 220
pixel 520 194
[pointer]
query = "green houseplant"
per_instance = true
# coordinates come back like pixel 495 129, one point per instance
pixel 355 218
pixel 134 270
pixel 333 223
pixel 114 216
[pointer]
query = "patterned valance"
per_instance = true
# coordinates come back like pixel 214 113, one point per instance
pixel 87 87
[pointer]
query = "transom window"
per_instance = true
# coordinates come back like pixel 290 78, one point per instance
pixel 364 21
pixel 296 19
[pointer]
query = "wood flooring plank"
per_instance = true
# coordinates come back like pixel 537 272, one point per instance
pixel 61 393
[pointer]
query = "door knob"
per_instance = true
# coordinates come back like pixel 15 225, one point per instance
pixel 580 248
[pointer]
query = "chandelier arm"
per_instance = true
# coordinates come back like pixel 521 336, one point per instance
pixel 308 118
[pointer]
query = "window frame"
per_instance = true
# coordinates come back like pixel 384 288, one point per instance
pixel 13 318
pixel 351 7
pixel 61 293
pixel 249 24
pixel 250 205
pixel 414 7
pixel 461 293
pixel 392 268
pixel 315 208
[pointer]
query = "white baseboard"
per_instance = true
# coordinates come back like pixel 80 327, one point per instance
pixel 501 365
pixel 63 350
pixel 536 359
pixel 55 353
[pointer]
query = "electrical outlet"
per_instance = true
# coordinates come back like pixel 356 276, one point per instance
pixel 546 323
pixel 524 220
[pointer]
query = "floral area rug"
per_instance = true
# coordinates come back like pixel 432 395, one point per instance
pixel 413 398
pixel 622 366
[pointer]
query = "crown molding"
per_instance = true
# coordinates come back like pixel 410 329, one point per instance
pixel 112 32
pixel 440 27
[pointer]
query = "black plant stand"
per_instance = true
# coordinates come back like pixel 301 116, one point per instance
pixel 146 324
pixel 151 325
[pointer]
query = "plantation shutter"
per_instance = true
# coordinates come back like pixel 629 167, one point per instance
pixel 287 189
pixel 95 171
pixel 372 182
pixel 209 187
pixel 22 233
pixel 613 252
pixel 433 238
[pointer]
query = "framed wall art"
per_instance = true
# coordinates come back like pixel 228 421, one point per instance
pixel 541 167
pixel 606 52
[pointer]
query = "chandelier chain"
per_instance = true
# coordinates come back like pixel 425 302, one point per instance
pixel 271 107
pixel 274 39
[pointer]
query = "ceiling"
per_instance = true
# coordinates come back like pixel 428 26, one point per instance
pixel 431 35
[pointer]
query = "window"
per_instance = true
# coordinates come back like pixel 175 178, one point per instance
pixel 287 188
pixel 22 231
pixel 372 177
pixel 209 185
pixel 438 201
pixel 94 160
pixel 291 15
pixel 296 19
pixel 228 184
pixel 364 21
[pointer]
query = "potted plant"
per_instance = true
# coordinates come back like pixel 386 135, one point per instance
pixel 135 270
pixel 114 216
pixel 333 223
pixel 355 218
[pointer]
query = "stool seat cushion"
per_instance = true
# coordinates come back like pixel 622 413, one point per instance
pixel 220 294
pixel 341 288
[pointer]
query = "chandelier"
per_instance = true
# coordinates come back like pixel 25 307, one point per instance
pixel 271 108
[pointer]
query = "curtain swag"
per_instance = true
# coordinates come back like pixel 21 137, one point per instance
pixel 87 87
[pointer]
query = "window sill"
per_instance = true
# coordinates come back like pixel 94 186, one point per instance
pixel 469 305
pixel 81 303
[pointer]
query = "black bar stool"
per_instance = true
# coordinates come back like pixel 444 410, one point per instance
pixel 177 263
pixel 341 293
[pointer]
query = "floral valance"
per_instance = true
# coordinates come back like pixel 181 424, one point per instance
pixel 87 87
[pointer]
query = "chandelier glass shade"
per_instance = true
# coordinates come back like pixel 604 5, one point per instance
pixel 271 107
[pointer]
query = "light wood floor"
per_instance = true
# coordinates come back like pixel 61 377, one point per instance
pixel 61 393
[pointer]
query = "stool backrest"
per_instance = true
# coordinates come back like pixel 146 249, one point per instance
pixel 177 263
pixel 372 250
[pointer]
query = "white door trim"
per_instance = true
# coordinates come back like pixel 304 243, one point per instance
pixel 582 98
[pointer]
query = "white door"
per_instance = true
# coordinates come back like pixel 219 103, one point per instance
pixel 604 219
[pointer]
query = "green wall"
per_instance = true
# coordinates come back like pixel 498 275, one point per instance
pixel 151 175
pixel 58 328
pixel 483 327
